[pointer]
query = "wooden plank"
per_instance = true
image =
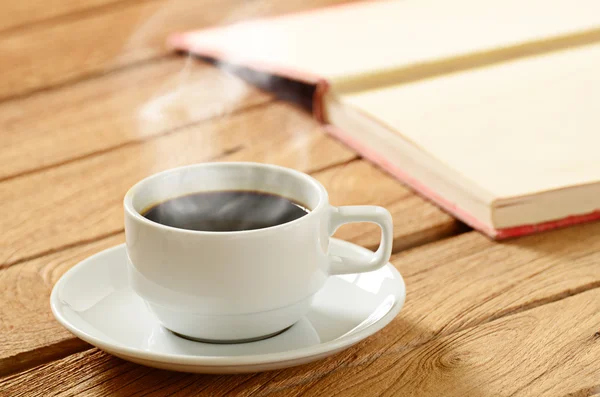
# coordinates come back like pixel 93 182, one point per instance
pixel 25 302
pixel 93 375
pixel 25 288
pixel 48 55
pixel 22 14
pixel 100 114
pixel 285 136
pixel 455 287
pixel 82 199
pixel 550 350
pixel 463 282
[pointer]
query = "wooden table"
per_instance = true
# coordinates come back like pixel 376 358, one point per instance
pixel 90 102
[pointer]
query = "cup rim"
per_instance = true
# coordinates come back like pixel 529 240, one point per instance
pixel 323 198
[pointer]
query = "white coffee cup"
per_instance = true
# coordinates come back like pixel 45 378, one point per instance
pixel 243 285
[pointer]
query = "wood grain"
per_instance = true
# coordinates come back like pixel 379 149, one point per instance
pixel 82 199
pixel 453 285
pixel 25 298
pixel 48 55
pixel 92 101
pixel 456 284
pixel 22 14
pixel 552 350
pixel 25 288
pixel 111 111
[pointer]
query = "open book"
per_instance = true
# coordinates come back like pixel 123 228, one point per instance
pixel 490 109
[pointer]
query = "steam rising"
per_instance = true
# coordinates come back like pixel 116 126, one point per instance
pixel 191 96
pixel 197 93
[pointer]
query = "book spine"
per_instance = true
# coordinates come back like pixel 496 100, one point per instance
pixel 305 89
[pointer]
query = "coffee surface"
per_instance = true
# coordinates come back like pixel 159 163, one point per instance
pixel 225 211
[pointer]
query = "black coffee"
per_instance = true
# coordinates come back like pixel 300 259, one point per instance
pixel 225 211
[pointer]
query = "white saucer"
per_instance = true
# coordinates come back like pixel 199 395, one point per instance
pixel 93 300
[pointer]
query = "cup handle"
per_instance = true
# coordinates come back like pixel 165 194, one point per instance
pixel 362 213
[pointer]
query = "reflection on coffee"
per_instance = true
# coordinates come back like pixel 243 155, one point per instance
pixel 225 211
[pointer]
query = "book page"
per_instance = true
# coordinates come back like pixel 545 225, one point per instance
pixel 516 128
pixel 353 44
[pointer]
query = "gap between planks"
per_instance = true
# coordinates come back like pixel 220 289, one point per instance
pixel 82 78
pixel 117 231
pixel 495 251
pixel 343 180
pixel 70 15
pixel 426 70
pixel 56 351
pixel 418 239
pixel 279 134
pixel 167 132
pixel 89 58
pixel 443 366
pixel 343 365
pixel 104 113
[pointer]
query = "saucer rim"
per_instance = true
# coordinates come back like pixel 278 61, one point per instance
pixel 225 361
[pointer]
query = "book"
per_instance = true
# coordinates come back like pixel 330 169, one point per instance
pixel 486 108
